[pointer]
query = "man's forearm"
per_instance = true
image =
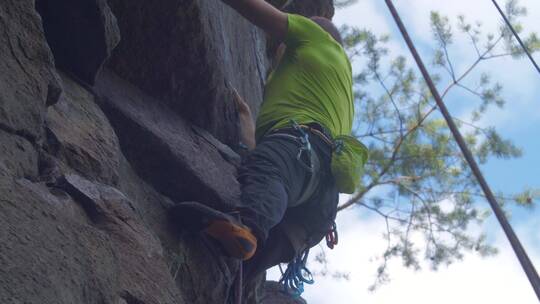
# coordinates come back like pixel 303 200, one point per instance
pixel 247 125
pixel 263 15
pixel 248 135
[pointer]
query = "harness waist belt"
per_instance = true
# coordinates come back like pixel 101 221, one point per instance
pixel 314 163
pixel 314 128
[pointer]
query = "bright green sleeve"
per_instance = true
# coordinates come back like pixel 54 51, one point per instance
pixel 301 30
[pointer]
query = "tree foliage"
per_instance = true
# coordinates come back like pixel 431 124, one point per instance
pixel 416 178
pixel 344 3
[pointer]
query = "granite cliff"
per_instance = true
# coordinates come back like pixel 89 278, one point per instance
pixel 111 111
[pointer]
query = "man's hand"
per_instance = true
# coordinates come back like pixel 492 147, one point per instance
pixel 247 126
pixel 263 15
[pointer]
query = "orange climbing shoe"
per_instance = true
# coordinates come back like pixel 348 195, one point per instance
pixel 236 239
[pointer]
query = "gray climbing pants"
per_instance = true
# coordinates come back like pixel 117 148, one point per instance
pixel 273 180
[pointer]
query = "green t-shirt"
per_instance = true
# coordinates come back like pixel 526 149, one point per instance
pixel 312 83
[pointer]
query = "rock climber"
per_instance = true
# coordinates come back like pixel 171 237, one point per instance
pixel 303 156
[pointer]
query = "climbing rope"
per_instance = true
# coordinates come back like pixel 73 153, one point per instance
pixel 297 274
pixel 509 24
pixel 526 263
pixel 239 284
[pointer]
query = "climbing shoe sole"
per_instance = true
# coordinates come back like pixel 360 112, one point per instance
pixel 235 238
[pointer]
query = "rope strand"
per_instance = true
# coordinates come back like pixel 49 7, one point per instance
pixel 526 263
pixel 509 24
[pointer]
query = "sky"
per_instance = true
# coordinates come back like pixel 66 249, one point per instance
pixel 493 280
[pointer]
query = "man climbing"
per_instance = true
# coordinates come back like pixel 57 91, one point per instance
pixel 303 158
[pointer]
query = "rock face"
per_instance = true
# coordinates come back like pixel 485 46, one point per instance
pixel 111 111
pixel 28 80
pixel 185 54
pixel 81 34
pixel 275 296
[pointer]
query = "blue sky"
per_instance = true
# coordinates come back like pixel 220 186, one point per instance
pixel 493 280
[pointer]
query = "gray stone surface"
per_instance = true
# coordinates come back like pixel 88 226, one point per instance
pixel 187 54
pixel 81 137
pixel 87 172
pixel 164 150
pixel 193 261
pixel 81 34
pixel 27 77
pixel 143 273
pixel 18 157
pixel 273 294
pixel 79 243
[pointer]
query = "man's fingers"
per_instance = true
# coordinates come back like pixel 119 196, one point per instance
pixel 236 95
pixel 237 98
pixel 247 127
pixel 242 105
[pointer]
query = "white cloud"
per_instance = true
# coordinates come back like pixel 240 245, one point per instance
pixel 495 280
pixel 364 14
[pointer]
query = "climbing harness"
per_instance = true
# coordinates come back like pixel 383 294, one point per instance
pixel 296 275
pixel 520 252
pixel 513 30
pixel 307 158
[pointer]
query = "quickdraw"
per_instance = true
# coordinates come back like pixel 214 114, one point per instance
pixel 332 237
pixel 296 275
pixel 305 148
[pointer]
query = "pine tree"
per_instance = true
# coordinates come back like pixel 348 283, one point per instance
pixel 416 178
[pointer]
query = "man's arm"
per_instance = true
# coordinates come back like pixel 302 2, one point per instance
pixel 247 127
pixel 263 15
